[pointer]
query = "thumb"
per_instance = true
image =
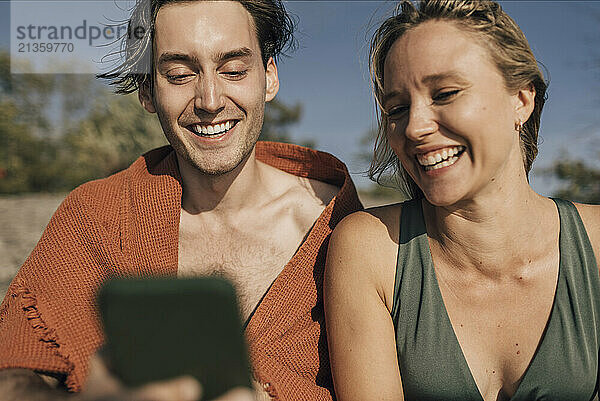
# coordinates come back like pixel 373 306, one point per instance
pixel 238 394
pixel 184 388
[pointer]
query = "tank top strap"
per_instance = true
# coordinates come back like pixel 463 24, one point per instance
pixel 575 247
pixel 578 263
pixel 414 269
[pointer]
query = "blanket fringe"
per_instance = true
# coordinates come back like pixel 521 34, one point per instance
pixel 45 334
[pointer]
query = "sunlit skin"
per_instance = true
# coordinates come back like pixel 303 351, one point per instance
pixel 206 74
pixel 442 90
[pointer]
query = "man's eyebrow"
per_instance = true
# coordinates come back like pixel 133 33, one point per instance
pixel 242 52
pixel 169 56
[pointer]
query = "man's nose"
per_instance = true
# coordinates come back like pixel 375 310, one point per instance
pixel 421 122
pixel 209 95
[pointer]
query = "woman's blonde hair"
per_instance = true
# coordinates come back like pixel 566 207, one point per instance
pixel 508 49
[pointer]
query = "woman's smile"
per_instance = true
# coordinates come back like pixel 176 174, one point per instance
pixel 441 158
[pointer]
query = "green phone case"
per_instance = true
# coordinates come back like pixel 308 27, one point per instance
pixel 162 328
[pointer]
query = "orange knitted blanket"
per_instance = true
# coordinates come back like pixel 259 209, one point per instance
pixel 127 225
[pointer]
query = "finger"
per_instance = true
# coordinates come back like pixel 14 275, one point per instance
pixel 184 388
pixel 100 381
pixel 260 394
pixel 237 394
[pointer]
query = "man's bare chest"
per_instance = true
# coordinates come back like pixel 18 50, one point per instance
pixel 251 261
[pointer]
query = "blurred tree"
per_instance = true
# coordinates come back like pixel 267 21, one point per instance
pixel 19 151
pixel 278 118
pixel 26 149
pixel 580 182
pixel 377 192
pixel 115 132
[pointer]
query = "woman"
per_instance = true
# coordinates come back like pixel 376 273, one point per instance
pixel 478 288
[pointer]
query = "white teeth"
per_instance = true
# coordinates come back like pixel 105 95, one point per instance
pixel 445 163
pixel 216 129
pixel 440 157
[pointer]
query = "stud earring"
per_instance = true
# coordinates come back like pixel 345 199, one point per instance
pixel 519 126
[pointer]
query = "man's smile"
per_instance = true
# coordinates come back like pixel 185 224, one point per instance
pixel 212 130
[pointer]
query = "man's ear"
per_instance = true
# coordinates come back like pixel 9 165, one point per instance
pixel 272 80
pixel 146 97
pixel 525 103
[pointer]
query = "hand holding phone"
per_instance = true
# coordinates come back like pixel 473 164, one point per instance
pixel 157 329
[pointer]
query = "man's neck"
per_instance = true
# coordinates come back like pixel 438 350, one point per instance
pixel 224 193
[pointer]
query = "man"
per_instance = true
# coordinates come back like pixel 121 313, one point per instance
pixel 214 202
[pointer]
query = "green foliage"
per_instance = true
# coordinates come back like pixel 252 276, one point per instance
pixel 115 132
pixel 278 118
pixel 389 192
pixel 59 131
pixel 580 182
pixel 377 194
pixel 20 151
pixel 27 151
pixel 367 144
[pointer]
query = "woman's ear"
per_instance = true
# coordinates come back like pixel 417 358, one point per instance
pixel 145 97
pixel 272 80
pixel 525 103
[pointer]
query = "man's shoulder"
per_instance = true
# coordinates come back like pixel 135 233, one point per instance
pixel 302 161
pixel 103 195
pixel 328 177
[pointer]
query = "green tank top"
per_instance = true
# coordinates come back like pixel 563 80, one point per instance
pixel 432 365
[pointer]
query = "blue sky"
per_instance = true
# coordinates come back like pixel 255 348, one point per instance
pixel 328 74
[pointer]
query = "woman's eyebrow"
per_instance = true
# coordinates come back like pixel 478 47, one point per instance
pixel 438 78
pixel 430 80
pixel 390 95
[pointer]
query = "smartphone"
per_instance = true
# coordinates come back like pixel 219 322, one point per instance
pixel 161 328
